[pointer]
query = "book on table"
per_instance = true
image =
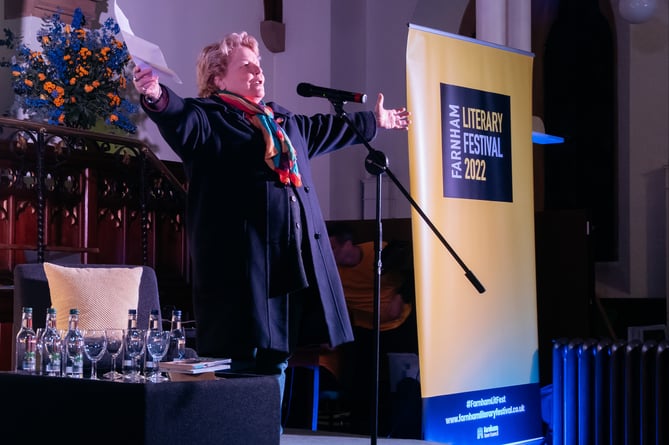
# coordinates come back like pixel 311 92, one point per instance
pixel 196 365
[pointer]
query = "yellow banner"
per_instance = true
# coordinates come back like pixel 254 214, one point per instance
pixel 470 153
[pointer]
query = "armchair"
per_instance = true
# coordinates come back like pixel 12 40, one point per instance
pixel 31 288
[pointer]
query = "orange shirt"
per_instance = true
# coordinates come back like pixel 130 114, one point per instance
pixel 358 282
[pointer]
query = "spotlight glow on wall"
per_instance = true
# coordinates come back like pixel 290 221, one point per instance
pixel 637 11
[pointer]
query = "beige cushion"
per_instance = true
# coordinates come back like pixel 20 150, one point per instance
pixel 102 295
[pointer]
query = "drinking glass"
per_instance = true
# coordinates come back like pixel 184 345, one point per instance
pixel 74 348
pixel 52 345
pixel 95 346
pixel 63 351
pixel 39 350
pixel 133 342
pixel 179 341
pixel 157 343
pixel 114 348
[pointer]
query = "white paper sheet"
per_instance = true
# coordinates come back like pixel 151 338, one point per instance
pixel 142 51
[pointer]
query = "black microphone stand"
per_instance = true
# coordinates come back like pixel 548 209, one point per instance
pixel 376 163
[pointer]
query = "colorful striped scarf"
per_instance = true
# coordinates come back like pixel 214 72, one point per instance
pixel 279 152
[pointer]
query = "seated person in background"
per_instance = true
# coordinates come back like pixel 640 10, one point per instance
pixel 397 327
pixel 355 263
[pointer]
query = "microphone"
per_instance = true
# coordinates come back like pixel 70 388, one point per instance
pixel 309 90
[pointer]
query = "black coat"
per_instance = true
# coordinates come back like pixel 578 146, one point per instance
pixel 253 241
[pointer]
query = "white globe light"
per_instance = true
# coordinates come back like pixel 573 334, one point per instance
pixel 636 11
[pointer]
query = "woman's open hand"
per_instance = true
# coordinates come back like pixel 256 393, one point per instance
pixel 394 118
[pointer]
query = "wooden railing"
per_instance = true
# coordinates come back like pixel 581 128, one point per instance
pixel 89 197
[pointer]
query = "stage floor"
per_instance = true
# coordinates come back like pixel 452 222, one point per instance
pixel 308 437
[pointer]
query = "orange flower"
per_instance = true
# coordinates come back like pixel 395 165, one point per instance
pixel 96 84
pixel 113 118
pixel 61 118
pixel 73 80
pixel 41 77
pixel 59 101
pixel 28 82
pixel 88 88
pixel 114 100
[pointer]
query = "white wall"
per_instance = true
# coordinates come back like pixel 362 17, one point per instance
pixel 6 93
pixel 369 54
pixel 643 140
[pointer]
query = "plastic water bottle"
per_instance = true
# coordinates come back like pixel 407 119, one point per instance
pixel 52 345
pixel 74 346
pixel 26 342
pixel 177 337
pixel 128 362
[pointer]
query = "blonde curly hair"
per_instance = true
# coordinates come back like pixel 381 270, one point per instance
pixel 213 60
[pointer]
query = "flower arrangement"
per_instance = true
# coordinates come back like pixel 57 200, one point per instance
pixel 77 77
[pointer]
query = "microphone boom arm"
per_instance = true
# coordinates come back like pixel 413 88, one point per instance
pixel 377 161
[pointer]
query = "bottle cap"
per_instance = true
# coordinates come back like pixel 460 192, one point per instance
pixel 132 311
pixel 28 309
pixel 51 310
pixel 74 311
pixel 176 312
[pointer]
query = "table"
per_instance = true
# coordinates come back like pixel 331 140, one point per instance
pixel 231 410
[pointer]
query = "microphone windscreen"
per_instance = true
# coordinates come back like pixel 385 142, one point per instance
pixel 304 89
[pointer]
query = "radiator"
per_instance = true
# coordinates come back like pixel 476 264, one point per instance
pixel 610 392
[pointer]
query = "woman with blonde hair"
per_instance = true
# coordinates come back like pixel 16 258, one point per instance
pixel 264 276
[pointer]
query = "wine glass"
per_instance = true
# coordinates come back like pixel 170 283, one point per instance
pixel 133 342
pixel 157 343
pixel 95 346
pixel 114 348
